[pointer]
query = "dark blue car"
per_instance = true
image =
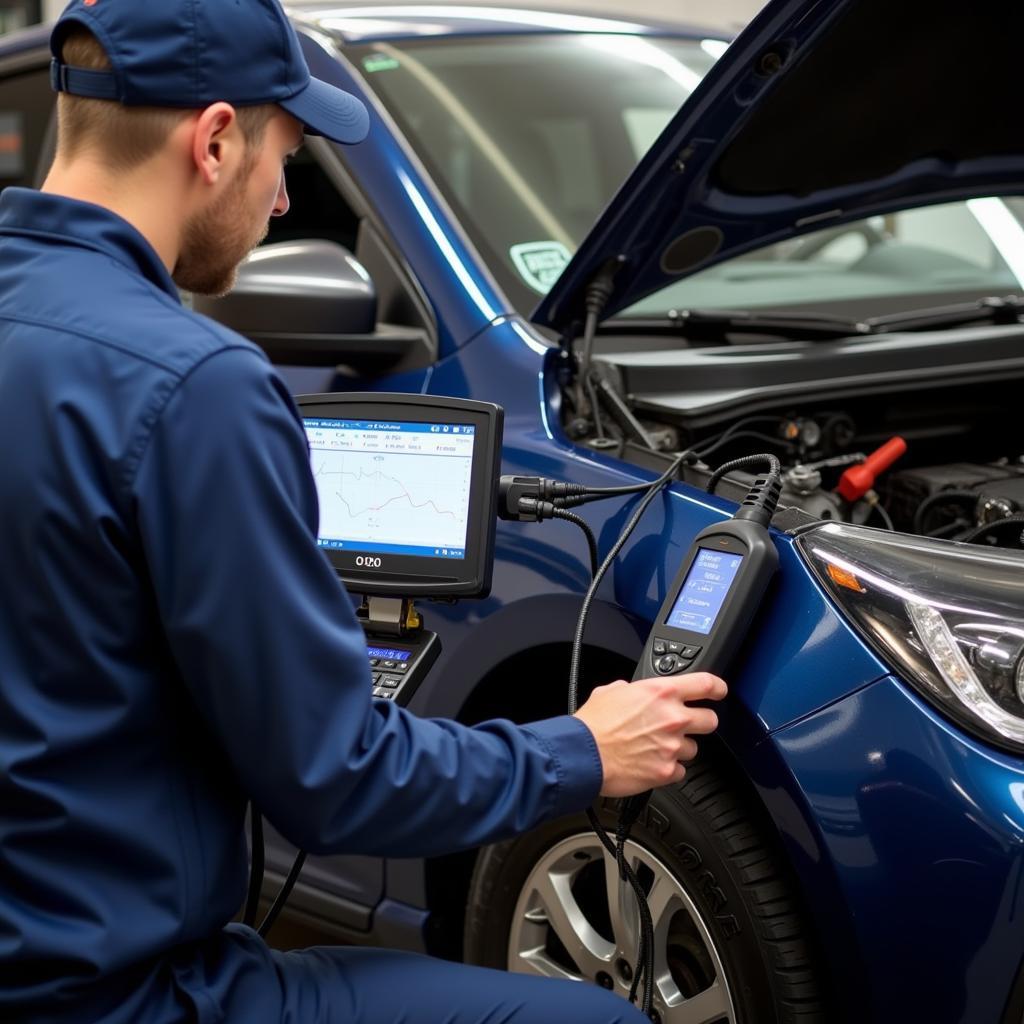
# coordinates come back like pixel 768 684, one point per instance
pixel 807 243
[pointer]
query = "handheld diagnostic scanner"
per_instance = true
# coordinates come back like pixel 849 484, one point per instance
pixel 712 600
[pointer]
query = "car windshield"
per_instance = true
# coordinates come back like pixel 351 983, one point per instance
pixel 530 136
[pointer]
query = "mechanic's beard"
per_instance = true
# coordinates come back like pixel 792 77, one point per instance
pixel 215 242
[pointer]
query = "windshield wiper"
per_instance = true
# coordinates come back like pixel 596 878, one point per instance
pixel 1006 310
pixel 716 324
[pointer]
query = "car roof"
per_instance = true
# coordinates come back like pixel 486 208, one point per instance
pixel 372 22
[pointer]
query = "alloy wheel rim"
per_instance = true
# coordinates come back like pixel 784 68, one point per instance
pixel 576 919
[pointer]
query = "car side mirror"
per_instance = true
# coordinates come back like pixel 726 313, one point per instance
pixel 310 303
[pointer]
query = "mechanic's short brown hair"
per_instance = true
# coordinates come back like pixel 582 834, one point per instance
pixel 125 136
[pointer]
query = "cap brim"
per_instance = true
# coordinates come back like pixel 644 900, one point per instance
pixel 326 110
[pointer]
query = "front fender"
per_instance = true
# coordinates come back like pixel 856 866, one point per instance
pixel 534 621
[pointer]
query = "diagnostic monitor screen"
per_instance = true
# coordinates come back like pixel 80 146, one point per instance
pixel 704 590
pixel 407 488
pixel 390 487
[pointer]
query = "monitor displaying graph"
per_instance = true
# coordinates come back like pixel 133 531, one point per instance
pixel 392 487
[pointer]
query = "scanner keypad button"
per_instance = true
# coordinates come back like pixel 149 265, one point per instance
pixel 674 648
pixel 390 681
pixel 690 651
pixel 666 665
pixel 659 648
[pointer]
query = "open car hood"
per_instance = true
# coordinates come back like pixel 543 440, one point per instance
pixel 819 113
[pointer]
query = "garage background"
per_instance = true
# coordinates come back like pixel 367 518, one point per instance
pixel 725 14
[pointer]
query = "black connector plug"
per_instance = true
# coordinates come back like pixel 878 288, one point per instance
pixel 533 510
pixel 513 490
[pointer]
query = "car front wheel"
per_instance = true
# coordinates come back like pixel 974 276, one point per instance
pixel 729 946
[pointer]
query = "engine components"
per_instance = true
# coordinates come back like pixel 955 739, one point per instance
pixel 950 500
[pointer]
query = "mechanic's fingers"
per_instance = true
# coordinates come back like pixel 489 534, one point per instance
pixel 687 750
pixel 678 774
pixel 700 721
pixel 701 686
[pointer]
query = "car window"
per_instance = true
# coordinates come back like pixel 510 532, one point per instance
pixel 973 247
pixel 530 136
pixel 26 111
pixel 317 208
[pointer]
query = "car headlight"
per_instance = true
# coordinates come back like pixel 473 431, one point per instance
pixel 948 617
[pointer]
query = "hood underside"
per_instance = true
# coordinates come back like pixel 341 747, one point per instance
pixel 821 112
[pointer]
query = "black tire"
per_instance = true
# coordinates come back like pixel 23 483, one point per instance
pixel 718 850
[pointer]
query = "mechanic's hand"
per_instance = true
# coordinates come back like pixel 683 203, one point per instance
pixel 643 729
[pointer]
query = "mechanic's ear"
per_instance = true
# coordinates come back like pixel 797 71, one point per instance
pixel 213 138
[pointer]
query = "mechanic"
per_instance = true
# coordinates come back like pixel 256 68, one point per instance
pixel 172 640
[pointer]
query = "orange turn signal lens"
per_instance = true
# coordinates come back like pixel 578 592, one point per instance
pixel 845 578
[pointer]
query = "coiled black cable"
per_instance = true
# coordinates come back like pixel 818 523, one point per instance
pixel 775 467
pixel 571 517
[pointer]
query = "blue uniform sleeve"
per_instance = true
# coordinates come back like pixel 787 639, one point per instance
pixel 266 641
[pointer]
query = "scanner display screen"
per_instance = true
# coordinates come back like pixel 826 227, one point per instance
pixel 704 590
pixel 392 487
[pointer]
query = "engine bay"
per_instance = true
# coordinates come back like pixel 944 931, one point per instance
pixel 913 450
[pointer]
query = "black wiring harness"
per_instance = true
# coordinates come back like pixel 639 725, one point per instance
pixel 533 499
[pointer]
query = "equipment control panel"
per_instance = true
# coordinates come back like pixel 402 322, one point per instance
pixel 398 668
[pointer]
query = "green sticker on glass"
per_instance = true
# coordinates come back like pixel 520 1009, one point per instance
pixel 540 264
pixel 380 62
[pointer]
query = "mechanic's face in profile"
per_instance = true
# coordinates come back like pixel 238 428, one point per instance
pixel 219 238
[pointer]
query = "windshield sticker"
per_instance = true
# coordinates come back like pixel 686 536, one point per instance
pixel 380 62
pixel 540 264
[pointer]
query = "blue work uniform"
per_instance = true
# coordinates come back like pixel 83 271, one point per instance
pixel 172 643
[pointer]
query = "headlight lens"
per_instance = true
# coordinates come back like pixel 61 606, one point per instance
pixel 948 617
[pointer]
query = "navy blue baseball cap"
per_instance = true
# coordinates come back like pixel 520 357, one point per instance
pixel 191 53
